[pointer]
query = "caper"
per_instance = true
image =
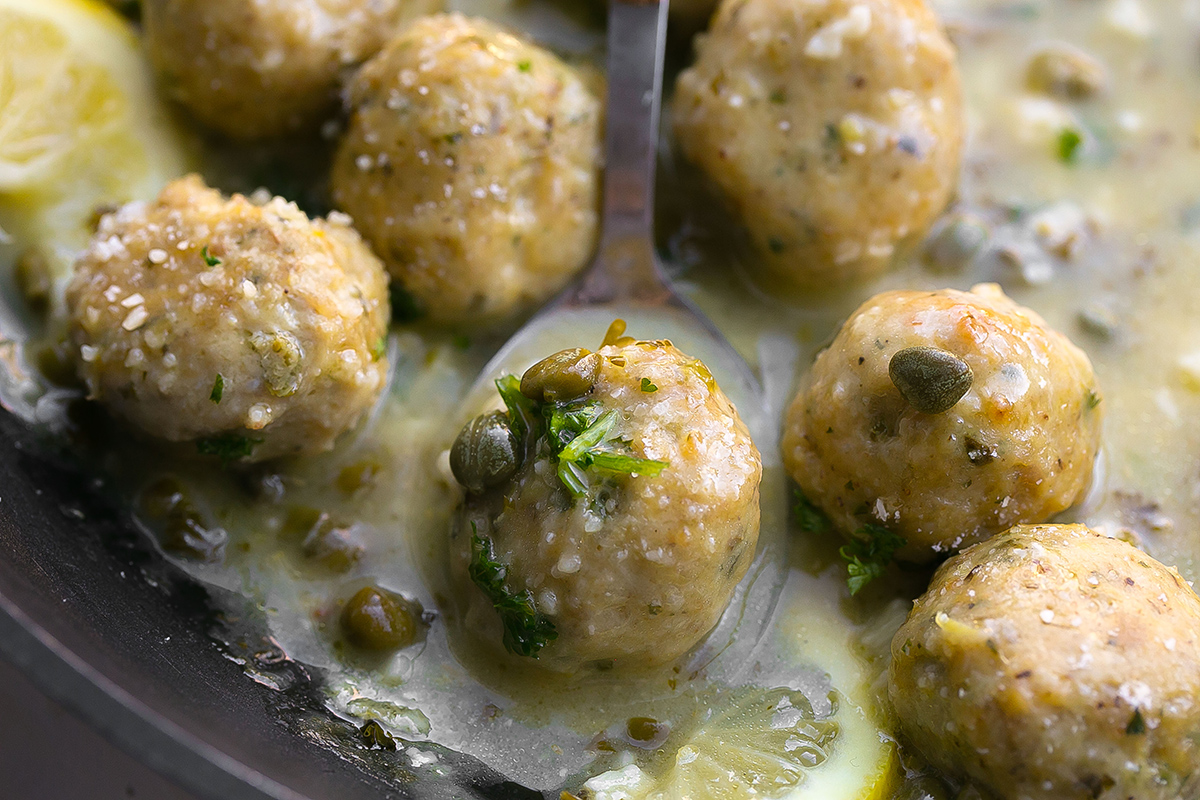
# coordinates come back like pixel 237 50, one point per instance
pixel 646 732
pixel 335 547
pixel 34 278
pixel 185 529
pixel 485 453
pixel 375 620
pixel 930 379
pixel 956 242
pixel 57 365
pixel 1066 71
pixel 359 477
pixel 563 376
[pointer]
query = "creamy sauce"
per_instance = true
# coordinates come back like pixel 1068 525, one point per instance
pixel 1107 248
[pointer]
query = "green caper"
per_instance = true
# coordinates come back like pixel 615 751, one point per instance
pixel 184 529
pixel 563 376
pixel 646 732
pixel 930 379
pixel 375 620
pixel 359 477
pixel 956 242
pixel 335 547
pixel 485 453
pixel 34 278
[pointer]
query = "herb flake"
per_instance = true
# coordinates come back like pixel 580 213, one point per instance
pixel 868 554
pixel 210 260
pixel 1137 724
pixel 1069 142
pixel 526 631
pixel 218 390
pixel 648 387
pixel 810 518
pixel 227 446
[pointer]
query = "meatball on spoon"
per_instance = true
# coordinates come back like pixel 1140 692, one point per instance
pixel 626 281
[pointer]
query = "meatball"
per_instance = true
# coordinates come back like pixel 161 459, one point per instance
pixel 632 515
pixel 1054 663
pixel 243 326
pixel 260 69
pixel 833 129
pixel 470 165
pixel 945 416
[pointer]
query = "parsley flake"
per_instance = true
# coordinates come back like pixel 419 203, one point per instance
pixel 210 260
pixel 405 307
pixel 1069 142
pixel 868 554
pixel 228 447
pixel 810 518
pixel 218 390
pixel 1137 724
pixel 524 66
pixel 526 630
pixel 648 386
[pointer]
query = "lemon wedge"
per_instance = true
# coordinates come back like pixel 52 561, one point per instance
pixel 771 743
pixel 80 123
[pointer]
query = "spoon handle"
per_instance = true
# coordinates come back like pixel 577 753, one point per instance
pixel 625 267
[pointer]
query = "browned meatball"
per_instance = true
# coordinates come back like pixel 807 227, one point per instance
pixel 471 166
pixel 1054 663
pixel 832 129
pixel 222 320
pixel 877 433
pixel 259 69
pixel 631 548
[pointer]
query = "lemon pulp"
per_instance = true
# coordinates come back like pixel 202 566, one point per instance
pixel 80 124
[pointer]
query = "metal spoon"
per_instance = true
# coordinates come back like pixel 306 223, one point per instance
pixel 626 281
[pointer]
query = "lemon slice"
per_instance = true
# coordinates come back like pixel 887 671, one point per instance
pixel 80 123
pixel 770 743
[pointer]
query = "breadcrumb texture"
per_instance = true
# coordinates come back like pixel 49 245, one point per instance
pixel 1019 446
pixel 639 574
pixel 471 166
pixel 833 128
pixel 1054 663
pixel 253 70
pixel 292 315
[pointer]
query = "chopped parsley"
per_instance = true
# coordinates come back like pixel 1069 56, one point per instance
pixel 1092 399
pixel 868 554
pixel 648 386
pixel 592 450
pixel 524 66
pixel 1137 724
pixel 1069 142
pixel 218 390
pixel 524 417
pixel 526 631
pixel 405 307
pixel 578 435
pixel 210 260
pixel 227 446
pixel 379 350
pixel 810 518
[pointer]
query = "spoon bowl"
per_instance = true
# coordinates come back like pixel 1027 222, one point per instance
pixel 626 281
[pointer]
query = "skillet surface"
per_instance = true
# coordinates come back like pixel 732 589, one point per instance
pixel 105 625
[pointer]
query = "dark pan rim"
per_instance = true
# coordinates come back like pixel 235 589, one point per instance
pixel 124 720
